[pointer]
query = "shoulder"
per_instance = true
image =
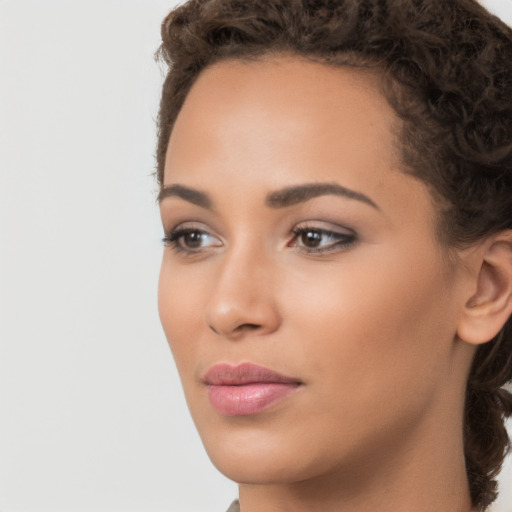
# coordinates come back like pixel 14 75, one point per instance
pixel 235 507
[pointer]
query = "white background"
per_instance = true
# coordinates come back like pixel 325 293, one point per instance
pixel 91 412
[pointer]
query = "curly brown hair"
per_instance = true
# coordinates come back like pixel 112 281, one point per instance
pixel 447 69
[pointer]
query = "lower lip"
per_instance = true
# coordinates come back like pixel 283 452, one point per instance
pixel 249 398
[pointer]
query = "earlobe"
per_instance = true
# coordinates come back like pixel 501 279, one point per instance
pixel 490 306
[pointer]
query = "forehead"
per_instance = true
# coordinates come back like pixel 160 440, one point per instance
pixel 288 78
pixel 282 105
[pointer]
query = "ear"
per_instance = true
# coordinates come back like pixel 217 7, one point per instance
pixel 490 305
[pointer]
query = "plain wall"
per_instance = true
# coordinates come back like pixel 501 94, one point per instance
pixel 92 416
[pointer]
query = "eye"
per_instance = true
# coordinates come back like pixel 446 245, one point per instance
pixel 311 239
pixel 190 240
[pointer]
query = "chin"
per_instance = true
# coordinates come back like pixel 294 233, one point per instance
pixel 256 458
pixel 258 470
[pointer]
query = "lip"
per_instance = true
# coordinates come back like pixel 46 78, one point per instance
pixel 246 388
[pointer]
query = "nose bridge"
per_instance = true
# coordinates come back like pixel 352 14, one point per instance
pixel 241 298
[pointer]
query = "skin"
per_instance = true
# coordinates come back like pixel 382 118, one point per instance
pixel 368 327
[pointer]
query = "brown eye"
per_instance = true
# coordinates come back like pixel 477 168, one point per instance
pixel 318 240
pixel 311 238
pixel 193 239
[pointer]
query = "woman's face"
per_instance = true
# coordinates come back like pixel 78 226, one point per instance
pixel 308 305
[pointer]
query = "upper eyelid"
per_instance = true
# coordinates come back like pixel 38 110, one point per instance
pixel 192 225
pixel 326 226
pixel 329 232
pixel 347 233
pixel 180 229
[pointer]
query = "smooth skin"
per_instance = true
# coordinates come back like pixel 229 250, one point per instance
pixel 349 292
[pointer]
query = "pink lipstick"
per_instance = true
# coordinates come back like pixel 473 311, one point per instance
pixel 246 388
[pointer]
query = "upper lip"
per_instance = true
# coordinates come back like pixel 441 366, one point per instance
pixel 245 373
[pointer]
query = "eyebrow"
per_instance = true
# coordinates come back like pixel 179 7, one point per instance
pixel 188 194
pixel 283 198
pixel 301 193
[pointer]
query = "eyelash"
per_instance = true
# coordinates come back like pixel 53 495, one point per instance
pixel 174 238
pixel 344 240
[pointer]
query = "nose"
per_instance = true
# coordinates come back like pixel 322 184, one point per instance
pixel 241 301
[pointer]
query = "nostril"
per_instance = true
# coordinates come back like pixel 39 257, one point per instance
pixel 250 327
pixel 238 329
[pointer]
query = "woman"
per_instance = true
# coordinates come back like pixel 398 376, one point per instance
pixel 336 288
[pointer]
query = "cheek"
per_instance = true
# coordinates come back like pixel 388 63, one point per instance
pixel 179 308
pixel 360 320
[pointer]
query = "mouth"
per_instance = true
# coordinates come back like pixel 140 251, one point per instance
pixel 246 389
